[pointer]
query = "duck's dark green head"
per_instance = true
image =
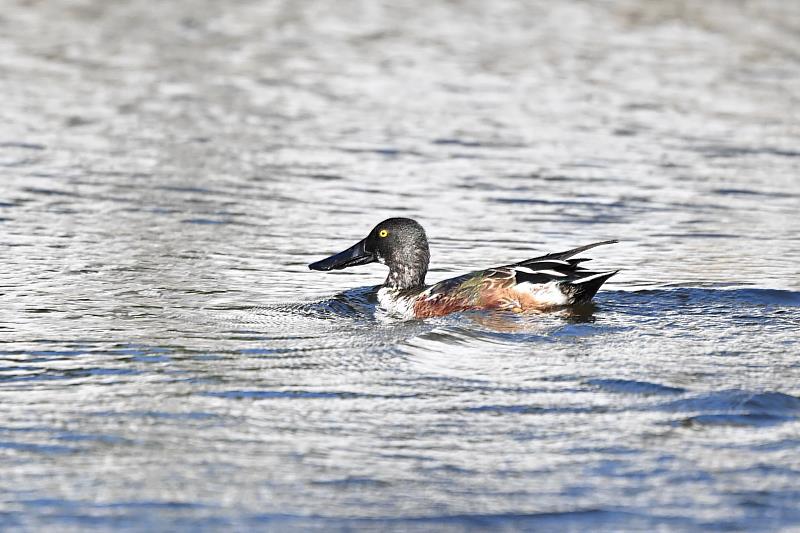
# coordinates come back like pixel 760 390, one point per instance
pixel 399 243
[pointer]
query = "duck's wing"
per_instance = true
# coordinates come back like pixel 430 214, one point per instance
pixel 467 290
pixel 577 283
pixel 559 266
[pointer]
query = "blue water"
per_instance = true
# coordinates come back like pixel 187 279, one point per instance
pixel 168 362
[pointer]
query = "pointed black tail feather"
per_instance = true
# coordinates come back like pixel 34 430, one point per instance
pixel 578 260
pixel 561 256
pixel 584 289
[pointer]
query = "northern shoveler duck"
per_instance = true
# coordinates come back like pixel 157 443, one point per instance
pixel 543 283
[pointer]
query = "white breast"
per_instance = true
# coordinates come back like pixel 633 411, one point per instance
pixel 393 304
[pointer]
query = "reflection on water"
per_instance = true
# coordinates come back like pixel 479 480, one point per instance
pixel 167 172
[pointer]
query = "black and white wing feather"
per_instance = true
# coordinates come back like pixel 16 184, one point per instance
pixel 579 283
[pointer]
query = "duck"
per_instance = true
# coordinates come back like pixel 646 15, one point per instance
pixel 545 283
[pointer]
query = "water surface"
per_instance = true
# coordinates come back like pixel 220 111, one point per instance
pixel 167 172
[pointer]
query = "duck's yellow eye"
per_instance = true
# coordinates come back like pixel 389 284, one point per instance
pixel 383 233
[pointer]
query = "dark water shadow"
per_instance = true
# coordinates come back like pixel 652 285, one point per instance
pixel 700 296
pixel 736 407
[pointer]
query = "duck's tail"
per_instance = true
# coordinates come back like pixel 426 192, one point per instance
pixel 563 256
pixel 583 289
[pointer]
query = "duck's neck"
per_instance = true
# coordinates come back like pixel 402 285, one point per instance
pixel 400 278
pixel 407 271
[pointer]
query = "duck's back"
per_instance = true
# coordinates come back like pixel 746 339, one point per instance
pixel 539 284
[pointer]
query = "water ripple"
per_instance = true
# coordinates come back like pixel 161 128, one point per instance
pixel 168 361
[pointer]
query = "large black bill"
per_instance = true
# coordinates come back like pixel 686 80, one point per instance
pixel 355 255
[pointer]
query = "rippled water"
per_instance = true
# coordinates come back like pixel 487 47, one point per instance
pixel 167 171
